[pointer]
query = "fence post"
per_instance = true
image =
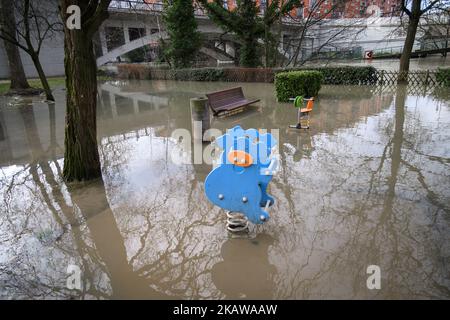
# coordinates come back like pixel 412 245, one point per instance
pixel 382 77
pixel 426 77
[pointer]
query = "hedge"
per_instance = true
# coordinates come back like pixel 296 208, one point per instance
pixel 297 83
pixel 332 75
pixel 348 75
pixel 443 76
pixel 345 75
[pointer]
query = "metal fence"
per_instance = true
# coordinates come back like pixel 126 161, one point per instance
pixel 332 76
pixel 422 78
pixel 146 7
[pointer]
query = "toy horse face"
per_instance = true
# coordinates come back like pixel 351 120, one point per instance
pixel 242 187
pixel 258 145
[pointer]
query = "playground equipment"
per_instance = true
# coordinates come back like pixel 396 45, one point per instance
pixel 228 102
pixel 238 183
pixel 302 113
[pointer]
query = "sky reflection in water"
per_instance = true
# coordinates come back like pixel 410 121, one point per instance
pixel 369 183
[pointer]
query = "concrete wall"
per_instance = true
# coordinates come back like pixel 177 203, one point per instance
pixel 370 34
pixel 52 52
pixel 52 59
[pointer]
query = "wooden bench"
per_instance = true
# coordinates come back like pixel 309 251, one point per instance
pixel 227 102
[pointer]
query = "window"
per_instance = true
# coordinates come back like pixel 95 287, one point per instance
pixel 136 33
pixel 114 37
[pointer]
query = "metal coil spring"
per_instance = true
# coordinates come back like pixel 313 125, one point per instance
pixel 236 222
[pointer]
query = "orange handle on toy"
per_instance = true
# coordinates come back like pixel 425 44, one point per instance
pixel 240 158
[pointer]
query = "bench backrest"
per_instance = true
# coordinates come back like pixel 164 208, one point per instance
pixel 225 97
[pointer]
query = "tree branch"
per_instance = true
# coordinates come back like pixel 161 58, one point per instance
pixel 100 15
pixel 404 8
pixel 14 42
pixel 429 7
pixel 26 22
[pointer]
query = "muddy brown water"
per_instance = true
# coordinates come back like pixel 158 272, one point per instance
pixel 368 184
pixel 418 64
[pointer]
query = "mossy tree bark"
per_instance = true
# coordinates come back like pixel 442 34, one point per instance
pixel 81 157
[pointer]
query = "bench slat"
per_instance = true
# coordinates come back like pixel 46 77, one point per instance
pixel 235 106
pixel 227 100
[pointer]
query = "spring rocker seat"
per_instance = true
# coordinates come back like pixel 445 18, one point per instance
pixel 239 181
pixel 302 113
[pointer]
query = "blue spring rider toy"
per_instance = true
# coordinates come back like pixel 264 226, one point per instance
pixel 239 181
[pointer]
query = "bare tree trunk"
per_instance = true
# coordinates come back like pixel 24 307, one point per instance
pixel 407 49
pixel 42 76
pixel 413 22
pixel 8 24
pixel 16 72
pixel 81 158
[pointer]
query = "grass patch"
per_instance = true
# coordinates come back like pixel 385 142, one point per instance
pixel 36 83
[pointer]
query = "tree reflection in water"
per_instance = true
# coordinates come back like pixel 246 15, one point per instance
pixel 368 184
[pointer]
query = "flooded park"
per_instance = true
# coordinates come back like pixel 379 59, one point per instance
pixel 367 184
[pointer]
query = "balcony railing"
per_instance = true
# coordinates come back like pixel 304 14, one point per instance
pixel 136 5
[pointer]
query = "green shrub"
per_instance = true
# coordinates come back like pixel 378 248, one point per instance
pixel 349 75
pixel 443 76
pixel 297 83
pixel 345 75
pixel 184 38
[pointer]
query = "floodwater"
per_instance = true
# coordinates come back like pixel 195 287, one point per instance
pixel 416 64
pixel 368 184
